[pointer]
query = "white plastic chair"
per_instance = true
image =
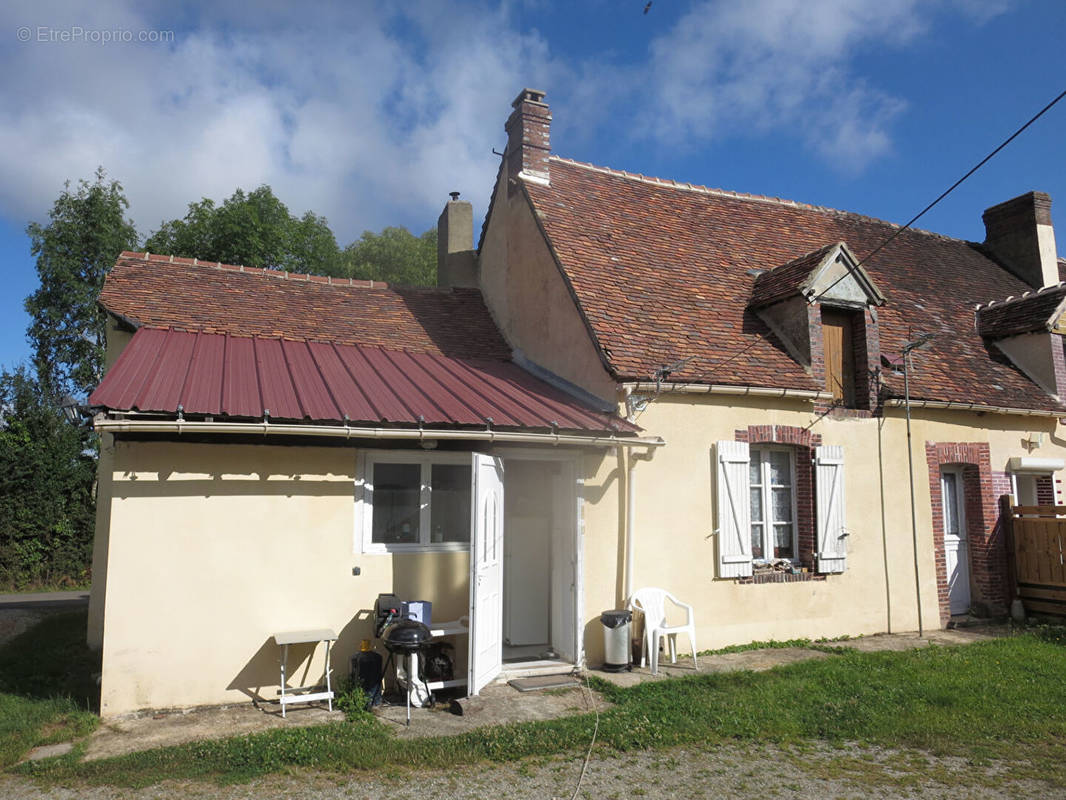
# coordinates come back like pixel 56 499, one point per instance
pixel 652 602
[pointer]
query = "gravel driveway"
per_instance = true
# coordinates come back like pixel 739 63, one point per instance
pixel 730 771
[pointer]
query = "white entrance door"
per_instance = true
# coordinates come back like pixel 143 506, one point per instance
pixel 486 573
pixel 956 552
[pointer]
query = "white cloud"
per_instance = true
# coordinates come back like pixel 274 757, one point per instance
pixel 785 66
pixel 338 111
pixel 369 113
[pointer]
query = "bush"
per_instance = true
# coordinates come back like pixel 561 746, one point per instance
pixel 352 700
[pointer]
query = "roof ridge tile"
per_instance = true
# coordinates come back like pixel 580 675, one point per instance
pixel 277 274
pixel 1019 298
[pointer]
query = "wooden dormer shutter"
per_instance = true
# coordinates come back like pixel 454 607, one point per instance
pixel 839 354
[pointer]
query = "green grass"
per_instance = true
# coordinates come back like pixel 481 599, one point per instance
pixel 1002 700
pixel 47 692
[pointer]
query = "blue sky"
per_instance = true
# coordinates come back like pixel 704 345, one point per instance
pixel 369 113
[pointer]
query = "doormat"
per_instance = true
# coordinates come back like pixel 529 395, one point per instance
pixel 544 682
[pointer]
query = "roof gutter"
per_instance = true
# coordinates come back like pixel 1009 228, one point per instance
pixel 104 425
pixel 715 388
pixel 952 405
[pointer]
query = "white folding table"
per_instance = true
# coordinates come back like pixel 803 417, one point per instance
pixel 288 693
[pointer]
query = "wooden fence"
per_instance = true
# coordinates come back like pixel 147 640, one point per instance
pixel 1036 547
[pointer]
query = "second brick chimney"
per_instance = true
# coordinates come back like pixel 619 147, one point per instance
pixel 1020 236
pixel 528 138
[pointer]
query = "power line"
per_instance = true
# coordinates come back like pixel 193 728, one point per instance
pixel 947 191
pixel 896 233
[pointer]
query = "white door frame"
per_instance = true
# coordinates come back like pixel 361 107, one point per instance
pixel 570 461
pixel 485 646
pixel 956 592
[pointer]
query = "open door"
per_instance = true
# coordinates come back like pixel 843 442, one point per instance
pixel 486 572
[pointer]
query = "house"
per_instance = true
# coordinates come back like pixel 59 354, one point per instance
pixel 629 382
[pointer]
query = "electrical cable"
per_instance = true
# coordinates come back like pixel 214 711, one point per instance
pixel 896 233
pixel 946 192
pixel 595 731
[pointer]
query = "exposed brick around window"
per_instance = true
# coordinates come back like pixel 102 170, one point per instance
pixel 866 352
pixel 1045 491
pixel 804 441
pixel 984 528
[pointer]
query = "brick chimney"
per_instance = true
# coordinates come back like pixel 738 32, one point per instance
pixel 456 259
pixel 528 138
pixel 1020 236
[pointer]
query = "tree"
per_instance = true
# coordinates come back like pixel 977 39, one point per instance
pixel 395 255
pixel 254 229
pixel 47 512
pixel 87 229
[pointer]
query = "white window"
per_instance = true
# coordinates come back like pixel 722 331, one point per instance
pixel 756 505
pixel 772 488
pixel 413 502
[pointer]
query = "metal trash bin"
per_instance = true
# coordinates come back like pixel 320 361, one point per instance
pixel 617 651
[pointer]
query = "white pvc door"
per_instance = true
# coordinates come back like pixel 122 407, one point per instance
pixel 486 572
pixel 956 551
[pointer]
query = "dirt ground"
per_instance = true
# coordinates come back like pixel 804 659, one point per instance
pixel 498 704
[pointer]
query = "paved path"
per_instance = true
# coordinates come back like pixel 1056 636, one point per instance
pixel 498 703
pixel 20 612
pixel 78 599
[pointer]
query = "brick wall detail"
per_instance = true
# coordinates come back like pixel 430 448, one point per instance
pixel 866 347
pixel 984 529
pixel 803 442
pixel 528 138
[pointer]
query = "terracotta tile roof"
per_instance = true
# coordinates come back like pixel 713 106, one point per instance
pixel 660 270
pixel 247 377
pixel 787 280
pixel 1033 311
pixel 180 293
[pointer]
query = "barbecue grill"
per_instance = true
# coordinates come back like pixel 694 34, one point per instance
pixel 407 638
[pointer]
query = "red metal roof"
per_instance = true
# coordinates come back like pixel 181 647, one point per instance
pixel 247 376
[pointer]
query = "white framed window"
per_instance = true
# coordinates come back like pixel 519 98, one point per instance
pixel 413 502
pixel 772 489
pixel 756 498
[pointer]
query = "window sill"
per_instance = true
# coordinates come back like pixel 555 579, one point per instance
pixel 781 577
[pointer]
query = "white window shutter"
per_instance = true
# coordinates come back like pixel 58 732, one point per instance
pixel 832 533
pixel 734 512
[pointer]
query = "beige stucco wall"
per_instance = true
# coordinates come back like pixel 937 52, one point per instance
pixel 675 520
pixel 530 301
pixel 213 548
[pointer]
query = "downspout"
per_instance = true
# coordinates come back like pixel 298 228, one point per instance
pixel 631 506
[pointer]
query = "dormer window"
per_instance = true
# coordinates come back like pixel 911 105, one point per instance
pixel 1029 331
pixel 822 307
pixel 838 347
